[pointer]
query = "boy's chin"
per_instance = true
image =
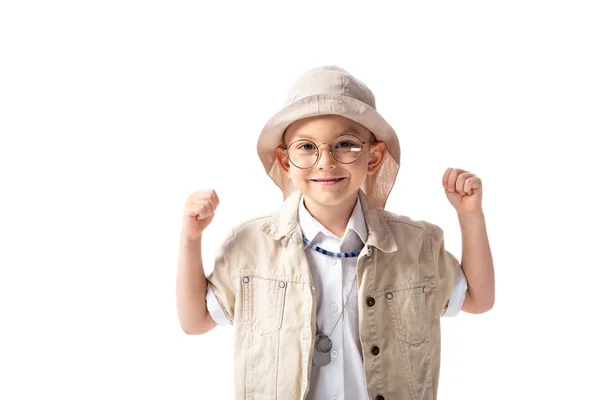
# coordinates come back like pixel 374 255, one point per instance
pixel 329 199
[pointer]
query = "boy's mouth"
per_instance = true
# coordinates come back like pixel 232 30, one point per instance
pixel 328 180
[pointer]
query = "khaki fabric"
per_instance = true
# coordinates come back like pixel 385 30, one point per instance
pixel 262 281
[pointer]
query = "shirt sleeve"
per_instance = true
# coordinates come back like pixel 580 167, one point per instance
pixel 457 297
pixel 214 309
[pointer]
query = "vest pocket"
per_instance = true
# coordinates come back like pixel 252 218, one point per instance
pixel 408 312
pixel 265 301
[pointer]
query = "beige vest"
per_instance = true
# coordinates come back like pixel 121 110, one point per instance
pixel 263 283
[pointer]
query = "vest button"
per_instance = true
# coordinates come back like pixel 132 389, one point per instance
pixel 370 301
pixel 379 398
pixel 375 350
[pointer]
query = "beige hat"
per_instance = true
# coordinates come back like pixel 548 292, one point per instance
pixel 332 90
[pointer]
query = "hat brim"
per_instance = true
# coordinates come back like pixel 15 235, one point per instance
pixel 326 104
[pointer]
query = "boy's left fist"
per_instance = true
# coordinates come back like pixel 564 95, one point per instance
pixel 464 190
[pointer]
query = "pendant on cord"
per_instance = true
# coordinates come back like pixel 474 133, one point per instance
pixel 323 346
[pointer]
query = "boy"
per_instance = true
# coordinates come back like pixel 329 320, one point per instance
pixel 332 297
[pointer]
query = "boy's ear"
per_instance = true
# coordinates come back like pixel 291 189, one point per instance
pixel 377 152
pixel 283 160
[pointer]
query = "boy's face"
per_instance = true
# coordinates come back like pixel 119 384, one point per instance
pixel 330 181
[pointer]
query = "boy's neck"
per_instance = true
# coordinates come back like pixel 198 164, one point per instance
pixel 334 219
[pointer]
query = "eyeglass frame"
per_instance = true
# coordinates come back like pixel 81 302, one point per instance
pixel 319 153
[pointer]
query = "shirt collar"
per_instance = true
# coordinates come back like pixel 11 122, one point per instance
pixel 311 227
pixel 283 225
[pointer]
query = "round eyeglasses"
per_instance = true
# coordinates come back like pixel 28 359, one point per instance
pixel 345 149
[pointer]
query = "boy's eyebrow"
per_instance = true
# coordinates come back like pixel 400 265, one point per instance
pixel 343 132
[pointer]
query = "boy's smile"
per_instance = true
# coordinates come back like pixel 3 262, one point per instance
pixel 330 186
pixel 328 181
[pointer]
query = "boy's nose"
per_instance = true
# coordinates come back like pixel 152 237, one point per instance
pixel 326 160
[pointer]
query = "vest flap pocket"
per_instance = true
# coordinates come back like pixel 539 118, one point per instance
pixel 408 313
pixel 265 301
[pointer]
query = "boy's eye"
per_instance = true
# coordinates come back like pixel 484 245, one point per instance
pixel 306 146
pixel 346 143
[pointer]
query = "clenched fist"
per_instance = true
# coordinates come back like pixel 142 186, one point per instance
pixel 199 211
pixel 464 190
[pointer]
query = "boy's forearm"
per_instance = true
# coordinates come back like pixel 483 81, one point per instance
pixel 477 263
pixel 191 287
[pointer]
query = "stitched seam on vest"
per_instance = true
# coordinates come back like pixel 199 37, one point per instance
pixel 429 382
pixel 408 369
pixel 275 364
pixel 436 295
pixel 248 336
pixel 379 359
pixel 413 224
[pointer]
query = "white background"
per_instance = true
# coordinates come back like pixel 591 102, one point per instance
pixel 112 112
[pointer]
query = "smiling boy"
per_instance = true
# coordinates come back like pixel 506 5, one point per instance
pixel 331 296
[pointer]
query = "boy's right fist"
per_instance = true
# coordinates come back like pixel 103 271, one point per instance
pixel 199 211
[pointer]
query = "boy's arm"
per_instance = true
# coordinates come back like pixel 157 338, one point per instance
pixel 194 318
pixel 465 192
pixel 477 264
